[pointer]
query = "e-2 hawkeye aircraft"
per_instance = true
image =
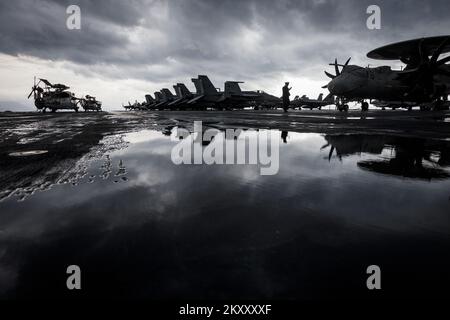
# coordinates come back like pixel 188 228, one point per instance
pixel 425 80
pixel 306 103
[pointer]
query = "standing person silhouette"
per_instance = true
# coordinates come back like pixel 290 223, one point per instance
pixel 286 94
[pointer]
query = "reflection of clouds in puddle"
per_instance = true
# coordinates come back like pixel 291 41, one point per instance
pixel 142 136
pixel 205 213
pixel 307 182
pixel 149 176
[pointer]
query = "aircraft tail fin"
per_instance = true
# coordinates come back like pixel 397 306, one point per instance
pixel 149 98
pixel 158 96
pixel 184 91
pixel 177 91
pixel 320 97
pixel 198 86
pixel 207 86
pixel 166 94
pixel 232 87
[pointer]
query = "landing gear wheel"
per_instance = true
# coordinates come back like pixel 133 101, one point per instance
pixel 53 110
pixel 76 109
pixel 343 108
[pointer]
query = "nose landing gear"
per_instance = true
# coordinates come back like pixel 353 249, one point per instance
pixel 341 105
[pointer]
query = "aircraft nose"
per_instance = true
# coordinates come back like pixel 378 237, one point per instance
pixel 343 84
pixel 338 86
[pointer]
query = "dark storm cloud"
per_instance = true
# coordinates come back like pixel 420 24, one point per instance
pixel 159 40
pixel 38 28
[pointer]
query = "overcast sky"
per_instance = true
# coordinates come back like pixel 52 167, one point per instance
pixel 126 49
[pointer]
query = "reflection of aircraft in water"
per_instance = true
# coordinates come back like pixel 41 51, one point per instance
pixel 346 145
pixel 169 130
pixel 304 102
pixel 407 157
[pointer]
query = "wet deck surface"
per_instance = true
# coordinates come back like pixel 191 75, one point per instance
pixel 99 190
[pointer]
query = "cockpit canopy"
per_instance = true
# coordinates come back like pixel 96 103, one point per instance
pixel 382 69
pixel 364 72
pixel 355 70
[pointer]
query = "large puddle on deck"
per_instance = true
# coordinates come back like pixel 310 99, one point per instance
pixel 139 225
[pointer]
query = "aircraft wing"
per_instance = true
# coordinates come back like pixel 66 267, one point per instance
pixel 196 99
pixel 177 101
pixel 247 95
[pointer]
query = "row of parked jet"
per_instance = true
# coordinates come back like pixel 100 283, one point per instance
pixel 207 96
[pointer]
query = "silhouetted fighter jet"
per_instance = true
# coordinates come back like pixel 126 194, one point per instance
pixel 207 96
pixel 183 96
pixel 306 103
